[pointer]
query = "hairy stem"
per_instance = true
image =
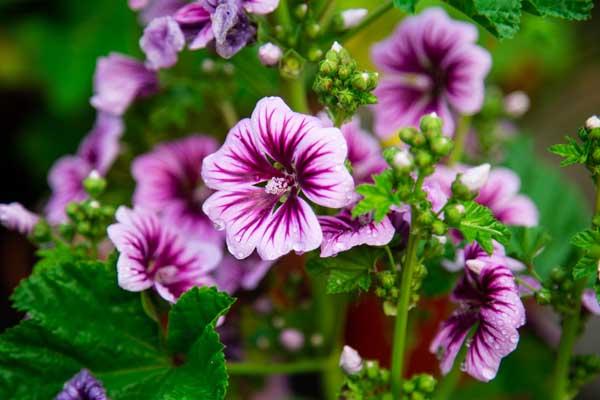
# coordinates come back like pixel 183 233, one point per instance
pixel 464 123
pixel 262 368
pixel 373 16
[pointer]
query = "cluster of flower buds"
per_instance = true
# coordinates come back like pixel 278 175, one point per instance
pixel 558 290
pixel 419 387
pixel 584 368
pixel 341 86
pixel 590 136
pixel 89 218
pixel 389 282
pixel 364 379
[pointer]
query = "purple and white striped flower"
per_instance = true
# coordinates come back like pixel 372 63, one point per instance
pixel 118 81
pixel 265 165
pixel 430 64
pixel 153 254
pixel 82 386
pixel 169 183
pixel 15 217
pixel 489 302
pixel 96 152
pixel 342 232
pixel 233 274
pixel 473 256
pixel 151 9
pixel 161 42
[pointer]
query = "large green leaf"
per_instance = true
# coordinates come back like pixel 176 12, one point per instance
pixel 479 224
pixel 500 17
pixel 79 317
pixel 563 209
pixel 567 9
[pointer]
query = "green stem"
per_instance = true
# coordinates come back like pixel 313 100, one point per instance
pixel 464 123
pixel 282 13
pixel 295 94
pixel 391 259
pixel 264 368
pixel 229 114
pixel 326 13
pixel 399 344
pixel 597 202
pixel 570 329
pixel 373 16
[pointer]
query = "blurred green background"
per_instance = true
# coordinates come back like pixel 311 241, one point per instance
pixel 48 51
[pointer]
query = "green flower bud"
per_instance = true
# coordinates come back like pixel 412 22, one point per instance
pixel 543 296
pixel 346 97
pixel 380 292
pixel 314 54
pixel 438 228
pixel 300 11
pixel 372 369
pixel 328 67
pixel 408 386
pixel 594 133
pixel 460 191
pixel 94 184
pixel 426 383
pixel 291 65
pixel 313 30
pixel 394 292
pixel 425 218
pixel 454 213
pixel 558 275
pixel 596 154
pixel 384 375
pixel 423 158
pixel 344 72
pixel 417 396
pixel 567 285
pixel 279 32
pixel 323 84
pixel 431 122
pixel 84 227
pixel 360 81
pixel 441 146
pixel 388 280
pixel 407 135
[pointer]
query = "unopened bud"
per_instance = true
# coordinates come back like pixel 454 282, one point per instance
pixel 208 65
pixel 475 178
pixel 441 239
pixel 269 54
pixel 301 10
pixel 292 339
pixel 360 81
pixel 543 296
pixel 423 159
pixel 313 30
pixel 352 17
pixel 94 184
pixel 328 67
pixel 403 159
pixel 439 228
pixel 344 72
pixel 516 103
pixel 454 214
pixel 336 47
pixel 431 122
pixel 350 361
pixel 592 122
pixel 407 135
pixel 441 145
pixel 314 54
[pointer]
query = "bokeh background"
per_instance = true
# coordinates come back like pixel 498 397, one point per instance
pixel 48 51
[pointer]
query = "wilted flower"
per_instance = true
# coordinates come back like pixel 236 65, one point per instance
pixel 233 274
pixel 82 386
pixel 351 361
pixel 291 339
pixel 269 54
pixel 489 301
pixel 96 152
pixel 118 81
pixel 169 183
pixel 17 218
pixel 154 254
pixel 430 64
pixel 342 232
pixel 353 17
pixel 161 42
pixel 267 161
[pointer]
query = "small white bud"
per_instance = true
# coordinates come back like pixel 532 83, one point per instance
pixel 291 339
pixel 351 361
pixel 94 175
pixel 94 204
pixel 208 65
pixel 460 208
pixel 336 47
pixel 516 103
pixel 433 114
pixel 403 159
pixel 475 265
pixel 269 54
pixel 475 178
pixel 441 239
pixel 592 122
pixel 353 17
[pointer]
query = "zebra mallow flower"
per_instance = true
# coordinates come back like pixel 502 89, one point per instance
pixel 161 42
pixel 475 257
pixel 222 22
pixel 431 63
pixel 151 9
pixel 119 80
pixel 232 274
pixel 82 386
pixel 96 152
pixel 268 168
pixel 490 307
pixel 168 182
pixel 15 217
pixel 153 254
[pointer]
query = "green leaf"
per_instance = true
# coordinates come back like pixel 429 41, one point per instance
pixel 408 6
pixel 586 239
pixel 586 267
pixel 567 9
pixel 348 271
pixel 377 197
pixel 80 318
pixel 526 243
pixel 571 152
pixel 501 17
pixel 480 225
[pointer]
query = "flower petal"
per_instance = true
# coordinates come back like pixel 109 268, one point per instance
pixel 66 181
pixel 101 146
pixel 260 6
pixel 161 42
pixel 294 226
pixel 450 338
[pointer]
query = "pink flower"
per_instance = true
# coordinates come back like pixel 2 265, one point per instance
pixel 351 361
pixel 17 218
pixel 291 339
pixel 96 152
pixel 260 173
pixel 489 301
pixel 430 64
pixel 269 54
pixel 233 274
pixel 161 42
pixel 118 81
pixel 475 256
pixel 169 183
pixel 82 386
pixel 154 255
pixel 151 9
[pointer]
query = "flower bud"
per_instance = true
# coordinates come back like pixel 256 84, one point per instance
pixel 350 361
pixel 426 383
pixel 543 296
pixel 41 232
pixel 453 214
pixel 94 184
pixel 592 122
pixel 328 67
pixel 269 54
pixel 292 339
pixel 441 145
pixel 301 10
pixel 291 65
pixel 352 17
pixel 423 159
pixel 441 239
pixel 314 54
pixel 475 178
pixel 407 135
pixel 336 47
pixel 344 72
pixel 431 122
pixel 403 160
pixel 313 30
pixel 516 103
pixel 439 228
